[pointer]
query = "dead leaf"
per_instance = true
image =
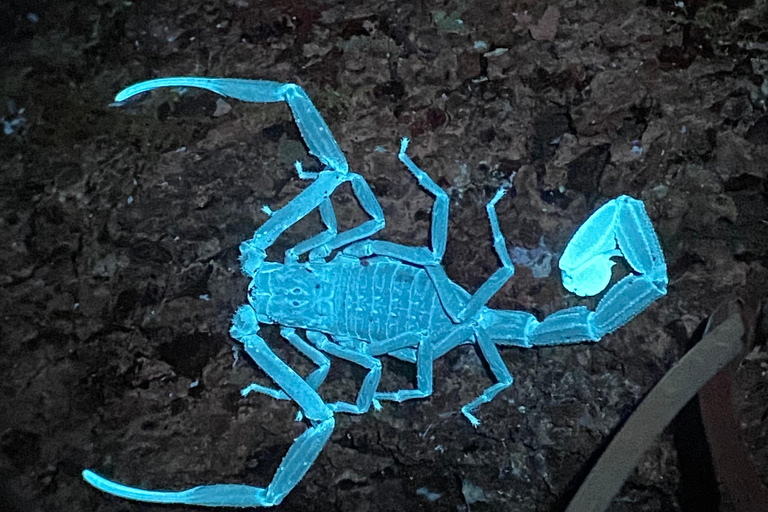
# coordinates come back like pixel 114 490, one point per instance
pixel 222 108
pixel 546 28
pixel 524 20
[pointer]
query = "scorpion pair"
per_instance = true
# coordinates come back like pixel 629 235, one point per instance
pixel 375 297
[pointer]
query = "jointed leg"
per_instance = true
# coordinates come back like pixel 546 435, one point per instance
pixel 453 297
pixel 315 133
pixel 422 256
pixel 314 379
pixel 440 207
pixel 423 376
pixel 426 352
pixel 322 244
pixel 402 347
pixel 328 217
pixel 370 205
pixel 402 342
pixel 450 296
pixel 502 275
pixel 405 354
pixel 253 251
pixel 459 305
pixel 461 334
pixel 312 126
pixel 355 355
pixel 297 461
pixel 413 255
pixel 499 370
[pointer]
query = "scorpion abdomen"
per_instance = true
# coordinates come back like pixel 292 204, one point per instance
pixel 378 298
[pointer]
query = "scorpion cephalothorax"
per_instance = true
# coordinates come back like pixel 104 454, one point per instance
pixel 375 298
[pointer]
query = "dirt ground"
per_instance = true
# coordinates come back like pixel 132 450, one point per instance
pixel 120 228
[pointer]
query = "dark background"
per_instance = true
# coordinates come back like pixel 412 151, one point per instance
pixel 119 233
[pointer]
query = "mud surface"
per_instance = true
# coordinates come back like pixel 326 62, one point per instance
pixel 119 234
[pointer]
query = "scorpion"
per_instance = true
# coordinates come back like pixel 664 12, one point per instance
pixel 357 298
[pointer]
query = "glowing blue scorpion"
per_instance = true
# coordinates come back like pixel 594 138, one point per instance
pixel 377 298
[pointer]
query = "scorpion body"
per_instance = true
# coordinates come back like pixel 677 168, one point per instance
pixel 378 299
pixel 374 297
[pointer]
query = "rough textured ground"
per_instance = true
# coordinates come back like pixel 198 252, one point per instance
pixel 119 231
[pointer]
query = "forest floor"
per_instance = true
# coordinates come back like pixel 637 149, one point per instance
pixel 120 227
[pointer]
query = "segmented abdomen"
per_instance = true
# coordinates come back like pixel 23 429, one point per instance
pixel 378 299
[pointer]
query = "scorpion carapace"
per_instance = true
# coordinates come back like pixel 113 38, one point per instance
pixel 375 297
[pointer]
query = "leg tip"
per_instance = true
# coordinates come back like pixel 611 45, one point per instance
pixel 302 174
pixel 471 417
pixel 251 257
pixel 404 145
pixel 499 194
pixel 244 322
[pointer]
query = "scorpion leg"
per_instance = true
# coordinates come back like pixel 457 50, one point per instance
pixel 370 205
pixel 401 342
pixel 415 255
pixel 355 355
pixel 312 126
pixel 423 375
pixel 314 131
pixel 450 295
pixel 420 256
pixel 454 300
pixel 440 207
pixel 314 379
pixel 322 244
pixel 400 347
pixel 253 251
pixel 404 354
pixel 426 352
pixel 494 283
pixel 461 334
pixel 297 461
pixel 457 302
pixel 499 370
pixel 328 217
